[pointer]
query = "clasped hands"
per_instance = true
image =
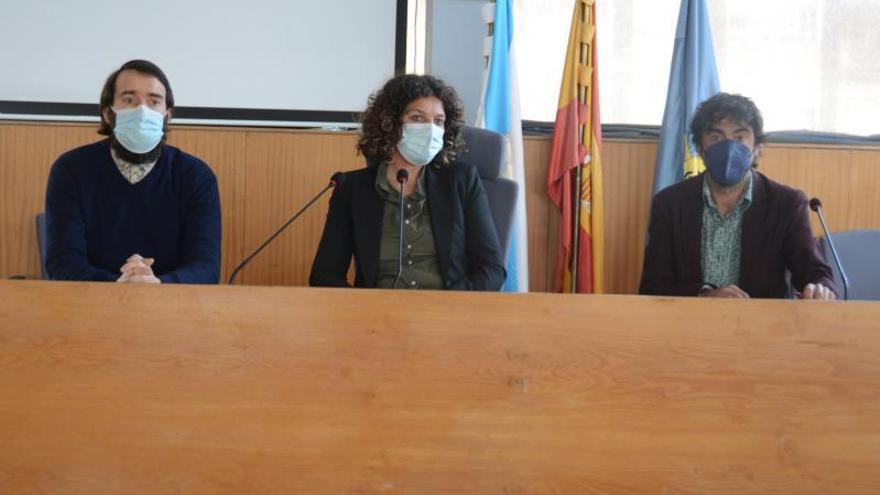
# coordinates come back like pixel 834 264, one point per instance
pixel 138 269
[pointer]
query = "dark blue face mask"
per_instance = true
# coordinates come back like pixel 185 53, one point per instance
pixel 728 161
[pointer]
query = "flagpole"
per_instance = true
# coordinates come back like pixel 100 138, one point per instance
pixel 481 108
pixel 578 172
pixel 578 179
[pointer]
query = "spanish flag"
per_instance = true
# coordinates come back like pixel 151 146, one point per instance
pixel 576 163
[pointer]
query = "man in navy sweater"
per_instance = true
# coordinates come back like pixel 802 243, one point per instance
pixel 130 208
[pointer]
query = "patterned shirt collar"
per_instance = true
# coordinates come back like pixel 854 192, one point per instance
pixel 133 172
pixel 744 201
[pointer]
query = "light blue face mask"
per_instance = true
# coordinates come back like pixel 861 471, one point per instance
pixel 139 129
pixel 420 142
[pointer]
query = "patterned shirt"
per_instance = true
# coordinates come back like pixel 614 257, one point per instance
pixel 421 270
pixel 722 238
pixel 133 172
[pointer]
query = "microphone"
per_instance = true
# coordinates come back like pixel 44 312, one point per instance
pixel 337 179
pixel 402 177
pixel 816 206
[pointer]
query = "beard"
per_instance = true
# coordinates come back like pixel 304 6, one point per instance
pixel 137 158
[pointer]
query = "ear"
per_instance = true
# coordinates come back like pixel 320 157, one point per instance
pixel 756 153
pixel 697 143
pixel 168 114
pixel 107 114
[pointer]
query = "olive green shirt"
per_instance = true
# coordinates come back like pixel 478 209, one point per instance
pixel 421 270
pixel 722 238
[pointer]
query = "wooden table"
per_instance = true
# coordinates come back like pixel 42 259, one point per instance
pixel 109 388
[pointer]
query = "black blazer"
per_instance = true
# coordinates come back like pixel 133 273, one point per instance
pixel 465 238
pixel 776 236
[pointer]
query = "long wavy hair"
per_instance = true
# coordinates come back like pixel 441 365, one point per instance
pixel 381 124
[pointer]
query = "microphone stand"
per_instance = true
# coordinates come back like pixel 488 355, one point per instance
pixel 336 179
pixel 402 177
pixel 816 206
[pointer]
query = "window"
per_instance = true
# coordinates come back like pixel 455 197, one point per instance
pixel 416 20
pixel 809 65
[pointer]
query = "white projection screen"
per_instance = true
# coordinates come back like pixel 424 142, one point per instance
pixel 273 62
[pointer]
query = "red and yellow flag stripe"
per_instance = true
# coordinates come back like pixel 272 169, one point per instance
pixel 577 143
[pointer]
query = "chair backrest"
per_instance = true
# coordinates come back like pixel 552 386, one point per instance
pixel 41 243
pixel 859 252
pixel 486 150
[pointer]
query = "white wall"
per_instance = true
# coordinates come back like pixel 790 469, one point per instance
pixel 256 54
pixel 455 48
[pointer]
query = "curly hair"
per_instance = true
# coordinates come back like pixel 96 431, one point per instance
pixel 721 106
pixel 381 125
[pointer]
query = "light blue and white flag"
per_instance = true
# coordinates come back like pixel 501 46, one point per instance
pixel 500 112
pixel 693 78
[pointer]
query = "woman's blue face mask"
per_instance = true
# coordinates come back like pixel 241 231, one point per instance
pixel 420 142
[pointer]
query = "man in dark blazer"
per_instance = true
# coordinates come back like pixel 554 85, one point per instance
pixel 731 231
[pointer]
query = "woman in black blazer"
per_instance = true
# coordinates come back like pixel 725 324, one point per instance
pixel 413 123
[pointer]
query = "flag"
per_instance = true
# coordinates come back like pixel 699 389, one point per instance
pixel 577 144
pixel 693 78
pixel 500 112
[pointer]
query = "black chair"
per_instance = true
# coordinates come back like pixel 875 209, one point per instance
pixel 486 150
pixel 41 243
pixel 859 252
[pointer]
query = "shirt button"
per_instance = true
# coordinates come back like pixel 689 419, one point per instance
pixel 413 283
pixel 409 246
pixel 409 262
pixel 406 222
pixel 408 207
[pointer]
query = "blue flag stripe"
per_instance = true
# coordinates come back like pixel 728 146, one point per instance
pixel 497 116
pixel 693 77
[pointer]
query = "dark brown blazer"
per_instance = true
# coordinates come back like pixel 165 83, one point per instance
pixel 776 236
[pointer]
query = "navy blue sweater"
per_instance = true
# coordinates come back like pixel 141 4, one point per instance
pixel 96 219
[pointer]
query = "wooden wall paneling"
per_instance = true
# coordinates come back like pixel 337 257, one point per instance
pixel 285 169
pixel 224 151
pixel 846 181
pixel 27 152
pixel 539 211
pixel 629 177
pixel 266 174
